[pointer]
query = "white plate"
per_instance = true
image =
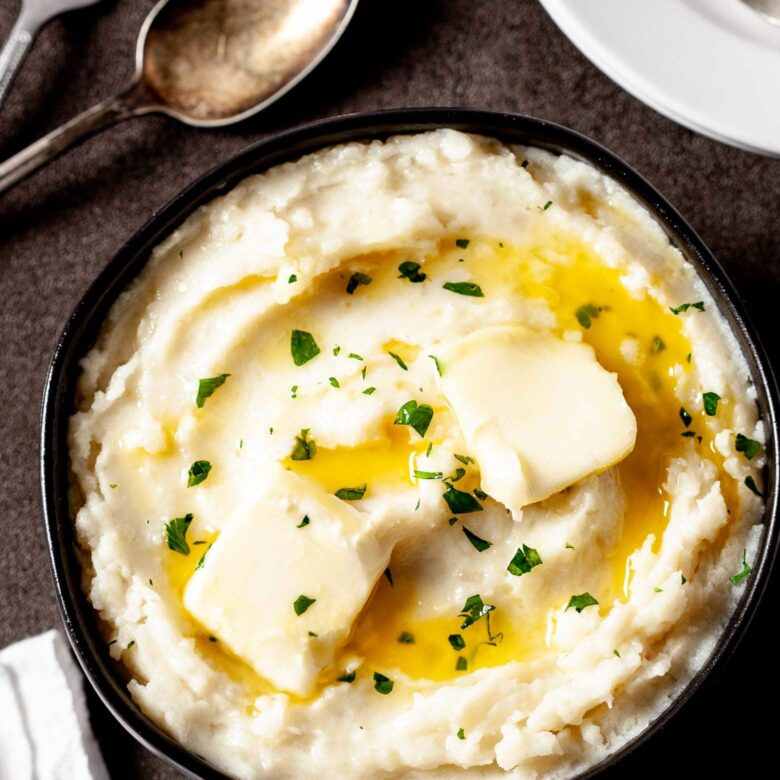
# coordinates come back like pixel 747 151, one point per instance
pixel 711 65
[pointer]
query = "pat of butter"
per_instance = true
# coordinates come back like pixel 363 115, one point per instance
pixel 537 413
pixel 261 565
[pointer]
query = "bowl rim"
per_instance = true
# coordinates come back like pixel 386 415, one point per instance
pixel 81 328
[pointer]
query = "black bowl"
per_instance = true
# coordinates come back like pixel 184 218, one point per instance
pixel 82 329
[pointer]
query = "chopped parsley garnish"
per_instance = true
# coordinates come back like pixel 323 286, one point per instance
pixel 363 372
pixel 737 578
pixel 460 502
pixel 382 684
pixel 305 448
pixel 303 347
pixel 459 474
pixel 356 280
pixel 464 459
pixel 427 474
pixel 462 243
pixel 615 653
pixel 333 381
pixel 113 486
pixel 428 450
pixel 351 493
pixel 658 590
pixel 752 487
pixel 710 401
pixel 682 579
pixel 202 560
pixel 569 546
pixel 688 434
pixel 398 359
pixel 405 638
pixel 355 356
pixel 212 639
pixel 473 610
pixel 578 603
pixel 479 544
pixel 457 642
pixel 336 349
pixel 461 665
pixel 683 307
pixel 480 494
pixel 176 534
pixel 461 734
pixel 417 416
pixel 389 576
pixel 525 559
pixel 471 289
pixel 369 391
pixel 207 387
pixel 198 472
pixel 585 314
pixel 131 644
pixel 748 447
pixel 452 520
pixel 311 633
pixel 658 345
pixel 547 205
pixel 437 363
pixel 411 271
pixel 301 604
pixel 685 417
pixel 304 522
pixel 294 391
pixel 347 677
pixel 292 278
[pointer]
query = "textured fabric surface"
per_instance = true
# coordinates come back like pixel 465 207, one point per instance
pixel 59 228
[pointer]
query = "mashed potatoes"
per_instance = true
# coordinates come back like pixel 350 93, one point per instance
pixel 291 342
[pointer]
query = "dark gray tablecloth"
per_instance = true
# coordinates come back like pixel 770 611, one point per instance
pixel 59 228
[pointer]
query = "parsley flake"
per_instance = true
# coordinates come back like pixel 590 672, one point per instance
pixel 304 522
pixel 198 472
pixel 460 502
pixel 737 578
pixel 585 314
pixel 417 416
pixel 752 487
pixel 464 459
pixel 462 243
pixel 479 544
pixel 748 447
pixel 411 271
pixel 427 474
pixel 347 677
pixel 461 665
pixel 303 347
pixel 356 280
pixel 471 289
pixel 305 448
pixel 473 610
pixel 334 382
pixel 351 493
pixel 398 359
pixel 369 391
pixel 207 387
pixel 461 734
pixel 355 356
pixel 457 642
pixel 657 345
pixel 202 560
pixel 683 307
pixel 685 417
pixel 292 278
pixel 525 559
pixel 389 576
pixel 578 603
pixel 710 402
pixel 405 638
pixel 547 205
pixel 382 684
pixel 176 534
pixel 301 604
pixel 437 363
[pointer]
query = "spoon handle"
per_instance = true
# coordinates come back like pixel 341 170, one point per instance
pixel 93 120
pixel 14 51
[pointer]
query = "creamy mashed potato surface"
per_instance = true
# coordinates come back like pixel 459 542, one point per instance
pixel 278 374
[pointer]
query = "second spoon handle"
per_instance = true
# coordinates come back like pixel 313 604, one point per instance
pixel 15 50
pixel 99 117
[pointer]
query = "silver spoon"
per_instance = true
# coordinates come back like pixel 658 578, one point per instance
pixel 206 63
pixel 769 9
pixel 32 16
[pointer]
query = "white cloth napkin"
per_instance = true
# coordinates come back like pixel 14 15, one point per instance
pixel 44 726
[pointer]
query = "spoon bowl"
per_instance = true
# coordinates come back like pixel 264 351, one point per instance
pixel 206 63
